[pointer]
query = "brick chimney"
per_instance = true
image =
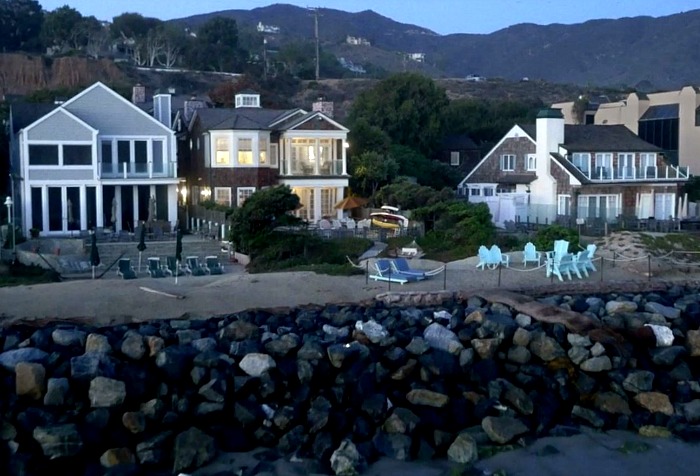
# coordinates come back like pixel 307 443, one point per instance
pixel 323 106
pixel 138 94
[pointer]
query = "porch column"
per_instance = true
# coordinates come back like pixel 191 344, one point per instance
pixel 172 205
pixel 317 156
pixel 64 210
pixel 99 204
pixel 27 204
pixel 45 208
pixel 83 207
pixel 135 206
pixel 287 156
pixel 339 195
pixel 344 156
pixel 318 214
pixel 118 218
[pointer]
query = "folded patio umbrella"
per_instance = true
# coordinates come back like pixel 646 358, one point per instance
pixel 94 253
pixel 142 242
pixel 178 248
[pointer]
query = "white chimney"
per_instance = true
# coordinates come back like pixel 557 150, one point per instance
pixel 550 135
pixel 162 109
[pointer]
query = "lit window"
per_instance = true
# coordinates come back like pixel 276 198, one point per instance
pixel 223 153
pixel 454 157
pixel 243 194
pixel 245 152
pixel 263 151
pixel 222 196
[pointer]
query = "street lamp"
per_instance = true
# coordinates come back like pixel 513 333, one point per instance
pixel 11 222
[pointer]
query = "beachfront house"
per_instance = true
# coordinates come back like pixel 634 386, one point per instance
pixel 236 151
pixel 551 171
pixel 94 161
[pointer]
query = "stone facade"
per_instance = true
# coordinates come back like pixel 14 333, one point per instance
pixel 490 169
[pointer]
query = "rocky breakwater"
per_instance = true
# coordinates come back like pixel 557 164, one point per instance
pixel 335 388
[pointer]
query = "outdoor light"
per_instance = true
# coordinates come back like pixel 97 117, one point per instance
pixel 10 221
pixel 206 192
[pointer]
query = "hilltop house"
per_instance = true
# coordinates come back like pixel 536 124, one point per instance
pixel 95 160
pixel 669 120
pixel 551 171
pixel 236 151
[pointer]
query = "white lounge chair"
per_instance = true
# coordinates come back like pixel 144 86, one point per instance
pixel 498 258
pixel 530 254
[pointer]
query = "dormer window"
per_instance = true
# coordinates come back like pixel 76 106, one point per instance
pixel 247 99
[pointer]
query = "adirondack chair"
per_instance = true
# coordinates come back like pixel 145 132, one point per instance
pixel 583 260
pixel 484 257
pixel 530 254
pixel 561 247
pixel 560 265
pixel 498 258
pixel 591 254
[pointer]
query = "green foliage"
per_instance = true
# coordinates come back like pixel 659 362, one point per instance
pixel 20 24
pixel 545 237
pixel 212 205
pixel 366 137
pixel 265 210
pixel 370 170
pixel 306 252
pixel 692 188
pixel 407 107
pixel 19 274
pixel 216 47
pixel 426 172
pixel 299 59
pixel 579 109
pixel 132 26
pixel 411 196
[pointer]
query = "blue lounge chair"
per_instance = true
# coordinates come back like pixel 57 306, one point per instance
pixel 591 255
pixel 125 270
pixel 484 257
pixel 212 265
pixel 562 264
pixel 171 266
pixel 193 266
pixel 530 254
pixel 400 265
pixel 498 258
pixel 154 268
pixel 583 261
pixel 384 272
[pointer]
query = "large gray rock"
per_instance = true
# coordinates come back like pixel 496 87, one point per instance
pixel 135 422
pixel 428 398
pixel 56 392
pixel 546 348
pixel 691 411
pixel 97 343
pixel 69 337
pixel 154 451
pixel 133 346
pixel 503 429
pixel 9 359
pixel 610 402
pixel 439 337
pixel 417 346
pixel 519 354
pixel 521 337
pixel 597 364
pixel 517 398
pixel 193 449
pixel 618 307
pixel 91 365
pixel 58 441
pixel 666 311
pixel 638 381
pixel 667 355
pixel 655 402
pixel 486 348
pixel 117 457
pixel 257 364
pixel 239 330
pixel 204 344
pixel 30 380
pixel 284 345
pixel 401 420
pixel 693 343
pixel 106 392
pixel 463 449
pixel 373 330
pixel 346 460
pixel 578 354
pixel 590 416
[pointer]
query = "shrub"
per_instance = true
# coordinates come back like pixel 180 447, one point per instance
pixel 545 237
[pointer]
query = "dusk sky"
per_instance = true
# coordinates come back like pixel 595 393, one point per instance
pixel 441 16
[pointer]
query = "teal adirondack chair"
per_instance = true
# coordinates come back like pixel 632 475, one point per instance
pixel 530 254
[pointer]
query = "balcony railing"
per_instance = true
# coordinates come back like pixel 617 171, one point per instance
pixel 130 170
pixel 624 174
pixel 327 168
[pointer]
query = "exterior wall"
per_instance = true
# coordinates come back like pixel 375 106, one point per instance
pixel 58 174
pixel 59 126
pixel 490 169
pixel 564 185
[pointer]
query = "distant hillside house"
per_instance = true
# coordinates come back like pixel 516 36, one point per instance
pixel 417 57
pixel 670 120
pixel 271 29
pixel 555 172
pixel 350 66
pixel 357 41
pixel 237 151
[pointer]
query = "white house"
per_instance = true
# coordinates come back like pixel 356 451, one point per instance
pixel 94 161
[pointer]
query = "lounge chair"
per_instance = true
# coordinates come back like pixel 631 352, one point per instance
pixel 530 254
pixel 563 264
pixel 155 270
pixel 125 269
pixel 591 256
pixel 561 247
pixel 400 265
pixel 212 265
pixel 193 266
pixel 171 266
pixel 484 257
pixel 498 258
pixel 583 261
pixel 384 272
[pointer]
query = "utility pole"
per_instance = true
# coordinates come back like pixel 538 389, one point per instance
pixel 318 61
pixel 265 58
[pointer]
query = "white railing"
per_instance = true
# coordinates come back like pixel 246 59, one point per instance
pixel 635 174
pixel 130 170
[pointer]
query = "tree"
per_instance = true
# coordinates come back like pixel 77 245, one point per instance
pixel 371 169
pixel 132 26
pixel 408 108
pixel 411 196
pixel 365 137
pixel 62 28
pixel 174 41
pixel 20 24
pixel 216 47
pixel 261 213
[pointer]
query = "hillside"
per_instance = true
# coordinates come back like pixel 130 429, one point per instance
pixel 656 52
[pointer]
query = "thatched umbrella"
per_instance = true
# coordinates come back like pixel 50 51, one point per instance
pixel 94 252
pixel 348 203
pixel 142 242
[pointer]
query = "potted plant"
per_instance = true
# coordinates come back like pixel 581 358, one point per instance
pixel 34 232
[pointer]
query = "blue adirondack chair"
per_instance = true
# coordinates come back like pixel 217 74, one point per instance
pixel 591 255
pixel 530 254
pixel 498 258
pixel 583 261
pixel 484 257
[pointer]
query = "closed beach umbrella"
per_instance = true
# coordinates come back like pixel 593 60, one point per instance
pixel 113 218
pixel 142 242
pixel 178 249
pixel 94 253
pixel 152 210
pixel 69 209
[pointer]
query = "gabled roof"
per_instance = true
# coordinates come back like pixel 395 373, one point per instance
pixel 458 142
pixel 598 138
pixel 571 168
pixel 297 121
pixel 247 118
pixel 25 113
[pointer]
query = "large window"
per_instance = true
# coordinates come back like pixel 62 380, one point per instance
pixel 243 194
pixel 603 166
pixel 245 151
pixel 508 162
pixel 43 155
pixel 222 196
pixel 564 205
pixel 663 133
pixel 582 162
pixel 223 151
pixel 327 202
pixel 598 206
pixel 77 155
pixel 274 155
pixel 625 165
pixel 647 164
